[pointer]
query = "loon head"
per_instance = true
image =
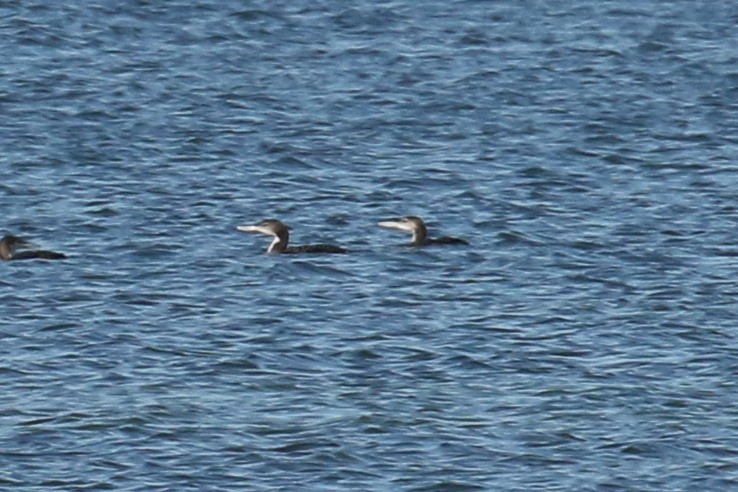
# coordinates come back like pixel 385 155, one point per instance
pixel 9 243
pixel 411 223
pixel 270 227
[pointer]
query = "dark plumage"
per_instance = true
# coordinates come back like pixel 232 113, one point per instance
pixel 10 244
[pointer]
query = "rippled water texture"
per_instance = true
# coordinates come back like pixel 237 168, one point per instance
pixel 586 340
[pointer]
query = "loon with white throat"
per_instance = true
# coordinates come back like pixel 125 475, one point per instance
pixel 281 234
pixel 10 244
pixel 416 226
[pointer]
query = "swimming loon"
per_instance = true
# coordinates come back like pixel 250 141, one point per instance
pixel 9 244
pixel 281 234
pixel 416 226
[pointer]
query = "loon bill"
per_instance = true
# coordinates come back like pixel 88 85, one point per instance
pixel 281 234
pixel 10 244
pixel 416 226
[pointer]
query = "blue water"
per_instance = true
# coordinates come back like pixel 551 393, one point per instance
pixel 586 340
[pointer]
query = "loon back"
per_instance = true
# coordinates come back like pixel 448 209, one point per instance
pixel 446 240
pixel 315 248
pixel 40 254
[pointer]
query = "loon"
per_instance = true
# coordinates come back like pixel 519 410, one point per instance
pixel 416 226
pixel 281 234
pixel 9 244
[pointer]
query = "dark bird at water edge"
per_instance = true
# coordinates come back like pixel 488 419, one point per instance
pixel 16 248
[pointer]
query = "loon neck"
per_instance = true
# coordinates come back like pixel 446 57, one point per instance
pixel 6 252
pixel 420 234
pixel 279 244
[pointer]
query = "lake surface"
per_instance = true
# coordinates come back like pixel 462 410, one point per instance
pixel 586 340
